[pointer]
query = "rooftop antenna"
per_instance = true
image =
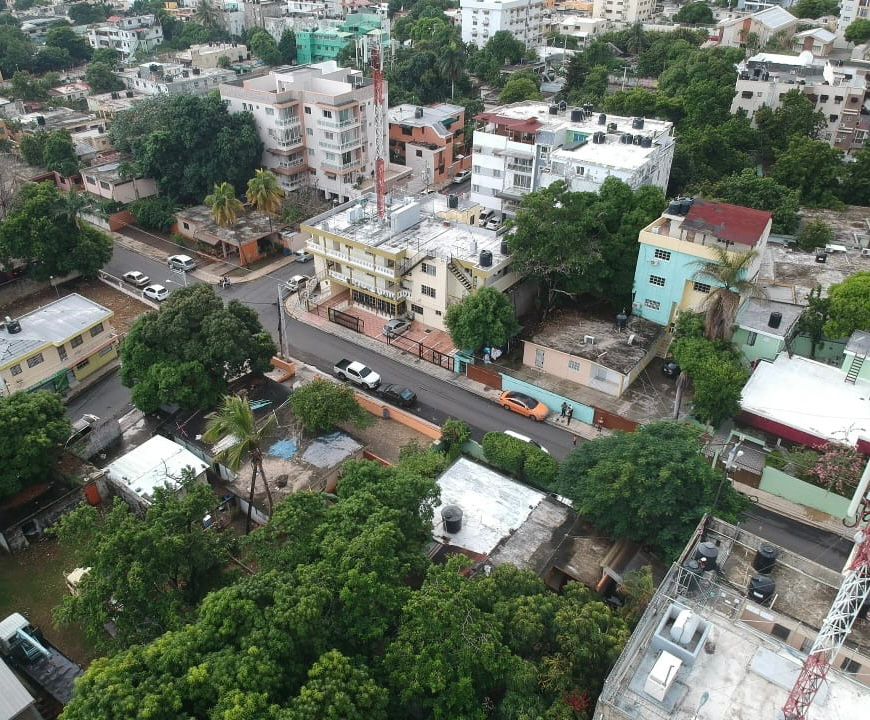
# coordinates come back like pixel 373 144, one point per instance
pixel 377 65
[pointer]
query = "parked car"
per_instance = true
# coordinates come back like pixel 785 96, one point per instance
pixel 484 217
pixel 524 405
pixel 357 373
pixel 670 369
pixel 526 439
pixel 398 395
pixel 396 327
pixel 185 263
pixel 494 223
pixel 296 282
pixel 303 256
pixel 461 177
pixel 82 426
pixel 156 292
pixel 136 279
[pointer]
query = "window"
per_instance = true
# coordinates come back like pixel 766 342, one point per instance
pixel 700 287
pixel 83 364
pixel 652 304
pixel 108 350
pixel 662 254
pixel 76 341
pixel 573 365
pixel 308 111
pixel 780 631
pixel 539 358
pixel 309 132
pixel 751 338
pixel 657 280
pixel 61 352
pixel 579 170
pixel 35 360
pixel 406 130
pixel 838 98
pixel 832 118
pixel 824 98
pixel 327 113
pixel 428 268
pixel 416 309
pixel 96 329
pixel 15 370
pixel 419 153
pixel 850 666
pixel 746 94
pixel 185 225
pixel 428 291
pixel 270 111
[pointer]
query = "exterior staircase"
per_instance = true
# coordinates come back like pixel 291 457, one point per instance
pixel 460 275
pixel 855 368
pixel 664 344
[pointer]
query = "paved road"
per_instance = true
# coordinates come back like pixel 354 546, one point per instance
pixel 457 189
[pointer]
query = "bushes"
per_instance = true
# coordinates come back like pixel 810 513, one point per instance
pixel 520 459
pixel 454 434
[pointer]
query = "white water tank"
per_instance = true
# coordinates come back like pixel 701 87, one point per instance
pixel 684 627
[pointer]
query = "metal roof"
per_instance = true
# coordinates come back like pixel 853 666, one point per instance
pixel 14 698
pixel 776 18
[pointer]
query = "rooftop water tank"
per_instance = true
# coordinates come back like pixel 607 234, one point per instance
pixel 775 320
pixel 761 588
pixel 602 119
pixel 765 558
pixel 554 109
pixel 637 123
pixel 452 517
pixel 707 554
pixel 646 142
pixel 638 139
pixel 453 201
pixel 691 575
pixel 485 258
pixel 505 250
pixel 577 116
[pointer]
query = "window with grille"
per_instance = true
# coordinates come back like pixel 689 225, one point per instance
pixel 61 352
pixel 662 254
pixel 426 290
pixel 76 341
pixel 573 365
pixel 96 329
pixel 428 268
pixel 416 309
pixel 34 360
pixel 652 304
pixel 15 370
pixel 850 666
pixel 657 280
pixel 701 287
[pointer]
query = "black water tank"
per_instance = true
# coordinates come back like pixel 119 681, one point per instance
pixel 554 109
pixel 637 123
pixel 775 319
pixel 706 554
pixel 691 575
pixel 452 517
pixel 577 116
pixel 673 208
pixel 602 119
pixel 638 139
pixel 485 258
pixel 453 201
pixel 621 320
pixel 611 127
pixel 647 142
pixel 765 558
pixel 505 250
pixel 761 588
pixel 821 257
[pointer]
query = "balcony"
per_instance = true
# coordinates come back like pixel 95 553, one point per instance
pixel 336 124
pixel 374 289
pixel 339 166
pixel 343 145
pixel 353 260
pixel 520 167
pixel 286 122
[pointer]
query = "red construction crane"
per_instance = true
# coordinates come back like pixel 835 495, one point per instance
pixel 376 57
pixel 852 595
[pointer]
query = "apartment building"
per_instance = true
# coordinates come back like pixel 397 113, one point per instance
pixel 524 19
pixel 624 11
pixel 430 140
pixel 325 42
pixel 416 262
pixel 757 29
pixel 527 146
pixel 208 56
pixel 127 35
pixel 838 91
pixel 56 346
pixel 673 247
pixel 317 125
pixel 850 11
pixel 157 78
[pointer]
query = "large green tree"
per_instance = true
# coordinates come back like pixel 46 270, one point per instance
pixel 51 150
pixel 651 486
pixel 578 244
pixel 34 427
pixel 796 115
pixel 811 167
pixel 64 38
pixel 147 574
pixel 263 45
pixel 485 318
pixel 858 31
pixel 41 228
pixel 321 405
pixel 849 306
pixel 520 87
pixel 100 77
pixel 188 144
pixel 812 9
pixel 749 189
pixel 186 352
pixel 696 13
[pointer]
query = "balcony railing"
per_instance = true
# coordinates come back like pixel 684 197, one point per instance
pixel 343 145
pixel 519 167
pixel 287 122
pixel 340 166
pixel 336 124
pixel 355 282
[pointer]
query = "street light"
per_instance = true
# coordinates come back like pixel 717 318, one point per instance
pixel 735 454
pixel 56 289
pixel 704 698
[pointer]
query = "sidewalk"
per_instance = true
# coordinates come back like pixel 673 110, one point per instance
pixel 296 311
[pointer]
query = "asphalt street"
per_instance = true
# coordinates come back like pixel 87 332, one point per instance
pixel 438 400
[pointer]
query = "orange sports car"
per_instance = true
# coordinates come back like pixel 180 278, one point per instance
pixel 524 405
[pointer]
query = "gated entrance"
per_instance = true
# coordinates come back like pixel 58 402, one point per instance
pixel 351 322
pixel 424 352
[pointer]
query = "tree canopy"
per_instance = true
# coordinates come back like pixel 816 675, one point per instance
pixel 815 234
pixel 34 427
pixel 696 13
pixel 100 77
pixel 322 405
pixel 53 150
pixel 485 318
pixel 42 229
pixel 520 87
pixel 263 45
pixel 858 31
pixel 652 486
pixel 186 352
pixel 147 574
pixel 849 308
pixel 188 144
pixel 812 9
pixel 812 168
pixel 580 243
pixel 748 189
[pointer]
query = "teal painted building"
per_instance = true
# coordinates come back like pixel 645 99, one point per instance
pixel 674 247
pixel 321 44
pixel 764 328
pixel 855 362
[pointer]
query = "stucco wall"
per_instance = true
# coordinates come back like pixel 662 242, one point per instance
pixel 555 363
pixel 779 483
pixel 765 348
pixel 582 412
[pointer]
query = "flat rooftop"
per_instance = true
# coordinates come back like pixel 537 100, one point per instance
pixel 859 343
pixel 569 331
pixel 810 397
pixel 537 116
pixel 52 324
pixel 432 116
pixel 744 670
pixel 250 226
pixel 754 315
pixel 413 226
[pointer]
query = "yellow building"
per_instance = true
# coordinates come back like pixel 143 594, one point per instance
pixel 56 346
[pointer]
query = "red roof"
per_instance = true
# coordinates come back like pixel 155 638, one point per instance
pixel 732 223
pixel 528 125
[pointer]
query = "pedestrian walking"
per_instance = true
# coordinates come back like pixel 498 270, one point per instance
pixel 564 408
pixel 569 413
pixel 574 440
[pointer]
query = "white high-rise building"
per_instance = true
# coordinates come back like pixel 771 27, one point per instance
pixel 524 19
pixel 127 35
pixel 624 11
pixel 527 146
pixel 316 122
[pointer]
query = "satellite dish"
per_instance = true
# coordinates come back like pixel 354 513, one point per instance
pixel 805 58
pixel 828 73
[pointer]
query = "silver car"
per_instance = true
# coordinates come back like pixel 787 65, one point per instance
pixel 396 327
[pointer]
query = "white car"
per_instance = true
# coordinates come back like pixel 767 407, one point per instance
pixel 185 263
pixel 303 256
pixel 296 282
pixel 461 177
pixel 155 292
pixel 136 279
pixel 494 223
pixel 526 439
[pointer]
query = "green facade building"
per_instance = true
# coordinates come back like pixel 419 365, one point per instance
pixel 321 44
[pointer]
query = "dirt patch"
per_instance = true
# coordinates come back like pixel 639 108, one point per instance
pixel 851 220
pixel 385 438
pixel 126 308
pixel 32 583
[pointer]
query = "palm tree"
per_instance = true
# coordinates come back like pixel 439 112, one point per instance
pixel 235 419
pixel 206 14
pixel 265 194
pixel 225 209
pixel 452 64
pixel 728 272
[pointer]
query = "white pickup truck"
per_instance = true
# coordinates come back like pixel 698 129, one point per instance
pixel 357 373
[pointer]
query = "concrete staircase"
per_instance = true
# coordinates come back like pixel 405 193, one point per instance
pixel 460 275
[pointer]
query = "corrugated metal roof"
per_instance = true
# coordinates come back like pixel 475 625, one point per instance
pixel 733 223
pixel 14 698
pixel 775 18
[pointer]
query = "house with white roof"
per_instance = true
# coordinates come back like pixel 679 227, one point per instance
pixel 758 29
pixel 818 41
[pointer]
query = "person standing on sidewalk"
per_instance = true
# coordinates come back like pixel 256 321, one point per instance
pixel 569 413
pixel 564 408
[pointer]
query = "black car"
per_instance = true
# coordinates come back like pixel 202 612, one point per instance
pixel 398 395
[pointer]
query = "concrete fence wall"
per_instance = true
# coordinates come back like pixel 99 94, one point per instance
pixel 779 483
pixel 582 412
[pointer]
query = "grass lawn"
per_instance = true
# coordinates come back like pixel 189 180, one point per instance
pixel 32 583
